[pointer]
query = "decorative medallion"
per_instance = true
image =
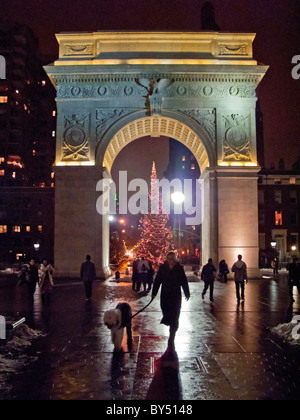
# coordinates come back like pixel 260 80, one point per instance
pixel 234 91
pixel 181 90
pixel 102 91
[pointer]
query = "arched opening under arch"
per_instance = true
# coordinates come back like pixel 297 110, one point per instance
pixel 156 126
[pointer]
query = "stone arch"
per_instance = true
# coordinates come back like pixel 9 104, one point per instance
pixel 174 125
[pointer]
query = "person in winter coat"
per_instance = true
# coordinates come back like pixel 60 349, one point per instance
pixel 135 273
pixel 223 270
pixel 46 272
pixel 150 276
pixel 172 278
pixel 33 278
pixel 208 276
pixel 143 268
pixel 239 269
pixel 294 278
pixel 88 275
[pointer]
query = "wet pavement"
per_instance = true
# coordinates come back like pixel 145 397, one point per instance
pixel 224 351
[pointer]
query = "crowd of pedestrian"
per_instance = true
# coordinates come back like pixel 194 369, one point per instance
pixel 209 275
pixel 33 274
pixel 143 274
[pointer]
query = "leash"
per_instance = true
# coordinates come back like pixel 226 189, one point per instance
pixel 133 316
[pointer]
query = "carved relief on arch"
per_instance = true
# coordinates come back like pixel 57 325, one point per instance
pixel 236 142
pixel 75 146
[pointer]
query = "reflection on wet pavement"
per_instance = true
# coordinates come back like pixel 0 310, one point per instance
pixel 223 351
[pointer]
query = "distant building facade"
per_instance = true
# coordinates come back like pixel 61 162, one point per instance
pixel 27 144
pixel 279 215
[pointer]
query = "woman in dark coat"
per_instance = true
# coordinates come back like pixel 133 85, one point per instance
pixel 172 277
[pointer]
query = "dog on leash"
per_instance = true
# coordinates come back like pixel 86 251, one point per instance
pixel 116 320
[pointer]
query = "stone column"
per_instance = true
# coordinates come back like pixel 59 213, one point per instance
pixel 210 217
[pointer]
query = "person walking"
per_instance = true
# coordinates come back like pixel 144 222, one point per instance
pixel 294 278
pixel 239 269
pixel 275 266
pixel 172 278
pixel 224 271
pixel 135 273
pixel 88 275
pixel 150 276
pixel 208 276
pixel 33 278
pixel 143 268
pixel 46 272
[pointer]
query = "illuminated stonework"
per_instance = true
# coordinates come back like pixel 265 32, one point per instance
pixel 115 87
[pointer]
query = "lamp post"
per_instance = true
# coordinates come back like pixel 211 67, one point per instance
pixel 178 198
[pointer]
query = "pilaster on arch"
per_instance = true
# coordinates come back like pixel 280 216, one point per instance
pixel 154 126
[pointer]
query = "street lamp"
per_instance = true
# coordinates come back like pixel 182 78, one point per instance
pixel 273 244
pixel 178 198
pixel 294 248
pixel 111 218
pixel 36 247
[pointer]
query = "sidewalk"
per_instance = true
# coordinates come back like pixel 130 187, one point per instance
pixel 225 351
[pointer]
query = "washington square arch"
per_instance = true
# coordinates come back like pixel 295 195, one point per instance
pixel 116 87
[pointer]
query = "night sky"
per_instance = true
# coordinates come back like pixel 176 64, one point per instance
pixel 276 22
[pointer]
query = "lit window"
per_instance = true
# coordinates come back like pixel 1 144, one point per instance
pixel 3 229
pixel 27 228
pixel 292 180
pixel 52 175
pixel 53 113
pixel 40 228
pixel 52 184
pixel 17 91
pixel 2 172
pixel 2 159
pixel 13 175
pixel 3 99
pixel 183 167
pixel 183 159
pixel 277 181
pixel 43 82
pixel 25 107
pixel 278 218
pixel 192 166
pixel 17 229
pixel 33 153
pixel 53 133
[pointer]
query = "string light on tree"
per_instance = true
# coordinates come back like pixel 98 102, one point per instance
pixel 156 238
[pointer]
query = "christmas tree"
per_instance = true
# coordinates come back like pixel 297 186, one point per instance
pixel 156 238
